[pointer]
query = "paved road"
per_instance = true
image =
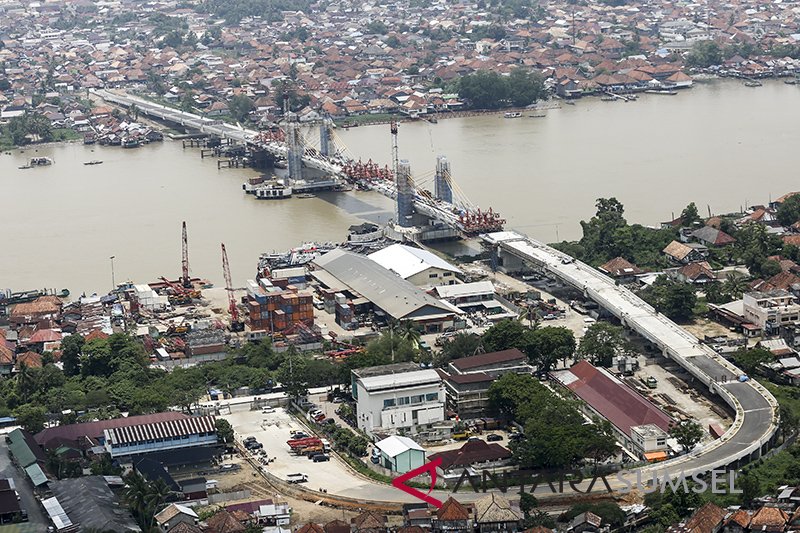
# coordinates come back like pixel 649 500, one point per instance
pixel 756 409
pixel 28 501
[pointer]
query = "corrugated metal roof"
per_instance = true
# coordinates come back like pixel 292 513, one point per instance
pixel 56 513
pixel 407 261
pixel 160 430
pixel 616 402
pixel 36 474
pixel 383 288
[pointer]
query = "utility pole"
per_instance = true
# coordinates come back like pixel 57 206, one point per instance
pixel 113 280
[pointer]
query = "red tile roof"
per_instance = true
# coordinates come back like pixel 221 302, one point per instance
pixel 451 510
pixel 473 451
pixel 613 400
pixel 475 361
pixel 94 430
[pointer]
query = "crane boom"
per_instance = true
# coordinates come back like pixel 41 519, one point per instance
pixel 226 270
pixel 185 280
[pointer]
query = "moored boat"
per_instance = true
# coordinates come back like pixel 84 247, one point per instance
pixel 93 162
pixel 512 114
pixel 40 162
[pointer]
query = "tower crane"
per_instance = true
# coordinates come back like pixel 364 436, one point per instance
pixel 185 279
pixel 236 324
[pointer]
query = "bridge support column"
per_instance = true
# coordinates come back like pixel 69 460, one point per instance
pixel 443 187
pixel 405 195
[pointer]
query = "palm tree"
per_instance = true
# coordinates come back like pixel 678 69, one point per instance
pixel 409 332
pixel 135 494
pixel 24 382
pixel 156 497
pixel 735 285
pixel 529 313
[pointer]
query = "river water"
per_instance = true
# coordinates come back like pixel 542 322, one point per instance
pixel 721 145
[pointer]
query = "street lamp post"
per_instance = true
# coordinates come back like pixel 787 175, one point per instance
pixel 113 280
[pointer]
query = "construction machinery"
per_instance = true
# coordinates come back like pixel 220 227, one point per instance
pixel 185 279
pixel 178 294
pixel 342 349
pixel 236 324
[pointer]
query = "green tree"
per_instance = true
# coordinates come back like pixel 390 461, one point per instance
pixel 690 216
pixel 704 54
pixel 789 211
pixel 484 89
pixel 546 346
pixel 525 87
pixel 504 335
pixel 459 345
pixel 32 418
pixel 292 374
pixel 673 298
pixel 750 359
pixel 750 486
pixel 601 343
pixel 687 433
pixel 240 107
pixel 185 387
pixel 224 431
pixel 735 285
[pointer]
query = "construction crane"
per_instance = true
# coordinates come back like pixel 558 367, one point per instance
pixel 236 324
pixel 185 280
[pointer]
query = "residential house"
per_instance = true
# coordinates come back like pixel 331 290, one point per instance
pixel 621 270
pixel 174 514
pixel 336 526
pixel 685 253
pixel 585 522
pixel 712 236
pixel 709 518
pixel 738 522
pixel 474 456
pixel 697 273
pixel 452 517
pixel 225 522
pixel 369 522
pixel 769 519
pixel 493 513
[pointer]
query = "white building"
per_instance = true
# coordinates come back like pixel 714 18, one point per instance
pixel 420 267
pixel 771 309
pixel 159 436
pixel 392 397
pixel 648 438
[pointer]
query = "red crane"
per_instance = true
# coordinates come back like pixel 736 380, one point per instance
pixel 185 280
pixel 236 325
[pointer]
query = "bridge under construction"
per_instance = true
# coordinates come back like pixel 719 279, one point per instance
pixel 421 215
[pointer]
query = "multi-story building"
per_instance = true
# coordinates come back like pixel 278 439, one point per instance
pixel 400 396
pixel 771 310
pixel 467 379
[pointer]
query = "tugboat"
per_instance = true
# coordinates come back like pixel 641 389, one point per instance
pixel 40 162
pixel 273 191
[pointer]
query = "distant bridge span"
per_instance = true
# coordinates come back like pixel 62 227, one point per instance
pixel 463 218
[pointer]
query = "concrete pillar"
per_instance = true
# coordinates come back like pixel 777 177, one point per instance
pixel 405 194
pixel 443 185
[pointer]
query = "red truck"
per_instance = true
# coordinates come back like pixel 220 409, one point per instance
pixel 299 443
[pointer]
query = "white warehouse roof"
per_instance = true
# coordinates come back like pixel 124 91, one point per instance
pixel 406 261
pixel 395 445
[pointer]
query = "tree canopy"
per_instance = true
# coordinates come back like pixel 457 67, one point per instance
pixel 489 90
pixel 673 298
pixel 602 342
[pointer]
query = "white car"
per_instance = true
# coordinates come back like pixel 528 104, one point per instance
pixel 267 410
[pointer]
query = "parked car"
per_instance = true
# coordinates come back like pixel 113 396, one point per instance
pixel 493 437
pixel 267 410
pixel 320 457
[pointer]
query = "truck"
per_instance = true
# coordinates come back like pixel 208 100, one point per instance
pixel 309 450
pixel 462 435
pixel 296 478
pixel 299 443
pixel 651 382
